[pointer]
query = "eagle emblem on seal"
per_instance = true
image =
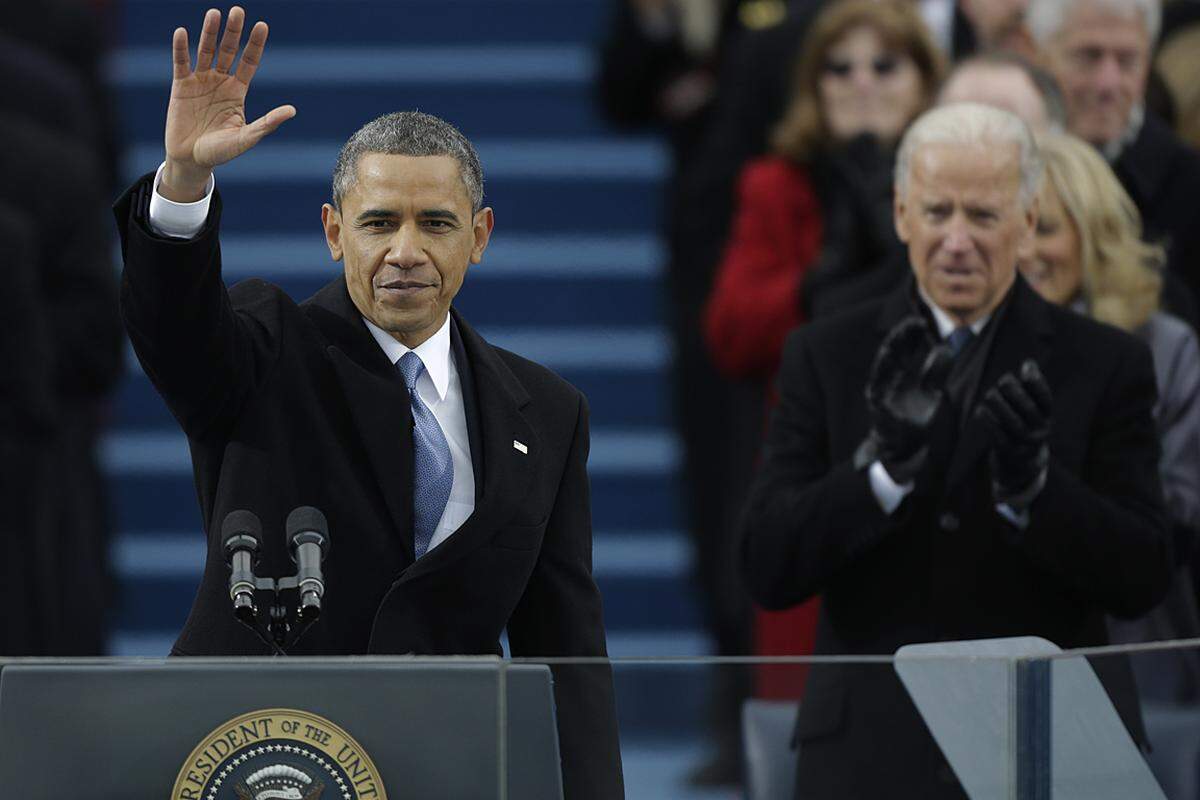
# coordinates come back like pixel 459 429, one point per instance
pixel 279 782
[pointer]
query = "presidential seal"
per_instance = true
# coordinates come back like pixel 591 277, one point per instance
pixel 278 754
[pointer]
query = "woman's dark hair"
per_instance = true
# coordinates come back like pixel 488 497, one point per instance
pixel 803 127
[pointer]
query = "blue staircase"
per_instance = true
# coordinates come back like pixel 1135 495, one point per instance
pixel 571 279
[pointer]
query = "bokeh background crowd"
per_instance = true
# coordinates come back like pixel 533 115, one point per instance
pixel 677 185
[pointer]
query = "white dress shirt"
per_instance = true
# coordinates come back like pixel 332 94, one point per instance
pixel 439 385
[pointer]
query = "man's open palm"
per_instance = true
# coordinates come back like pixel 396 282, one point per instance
pixel 206 118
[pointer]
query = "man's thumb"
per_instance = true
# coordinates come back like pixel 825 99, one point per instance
pixel 266 124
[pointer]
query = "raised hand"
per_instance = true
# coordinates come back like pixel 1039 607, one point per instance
pixel 206 118
pixel 904 392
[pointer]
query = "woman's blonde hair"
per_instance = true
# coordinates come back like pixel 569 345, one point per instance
pixel 1121 273
pixel 803 126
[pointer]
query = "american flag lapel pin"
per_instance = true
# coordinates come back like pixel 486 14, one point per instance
pixel 520 447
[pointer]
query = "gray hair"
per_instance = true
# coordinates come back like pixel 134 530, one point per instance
pixel 408 133
pixel 972 124
pixel 1045 17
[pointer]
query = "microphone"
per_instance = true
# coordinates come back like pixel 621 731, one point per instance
pixel 308 543
pixel 241 541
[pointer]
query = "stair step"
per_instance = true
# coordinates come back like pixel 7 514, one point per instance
pixel 179 555
pixel 294 161
pixel 456 23
pixel 614 451
pixel 362 65
pixel 563 349
pixel 620 501
pixel 637 603
pixel 510 255
pixel 629 398
pixel 560 207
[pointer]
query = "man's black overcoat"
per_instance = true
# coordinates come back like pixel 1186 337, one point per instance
pixel 289 404
pixel 946 566
pixel 1161 174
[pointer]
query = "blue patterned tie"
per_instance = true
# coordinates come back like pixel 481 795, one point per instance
pixel 433 471
pixel 959 338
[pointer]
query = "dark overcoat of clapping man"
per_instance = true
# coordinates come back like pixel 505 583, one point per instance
pixel 960 460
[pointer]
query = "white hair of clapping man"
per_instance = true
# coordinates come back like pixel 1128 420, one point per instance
pixel 973 124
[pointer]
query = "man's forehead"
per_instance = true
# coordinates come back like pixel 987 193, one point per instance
pixel 982 172
pixel 401 178
pixel 1090 21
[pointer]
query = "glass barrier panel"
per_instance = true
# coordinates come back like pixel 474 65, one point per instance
pixel 1124 722
pixel 836 726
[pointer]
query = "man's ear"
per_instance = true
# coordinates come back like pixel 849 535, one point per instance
pixel 1027 246
pixel 331 220
pixel 481 226
pixel 898 216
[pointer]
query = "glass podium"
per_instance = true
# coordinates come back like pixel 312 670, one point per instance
pixel 1014 719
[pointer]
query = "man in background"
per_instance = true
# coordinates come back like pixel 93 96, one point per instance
pixel 1009 82
pixel 1100 54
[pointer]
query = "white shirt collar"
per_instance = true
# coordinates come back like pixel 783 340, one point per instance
pixel 434 353
pixel 945 323
pixel 1137 117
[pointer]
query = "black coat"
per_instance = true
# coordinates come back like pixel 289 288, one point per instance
pixel 61 356
pixel 287 405
pixel 1161 174
pixel 945 565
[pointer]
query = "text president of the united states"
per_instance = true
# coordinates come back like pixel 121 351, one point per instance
pixel 452 473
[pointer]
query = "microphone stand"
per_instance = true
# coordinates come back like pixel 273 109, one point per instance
pixel 283 626
pixel 284 622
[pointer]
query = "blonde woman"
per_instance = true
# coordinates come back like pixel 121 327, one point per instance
pixel 1090 255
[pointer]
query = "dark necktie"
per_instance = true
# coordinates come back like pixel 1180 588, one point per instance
pixel 958 339
pixel 433 470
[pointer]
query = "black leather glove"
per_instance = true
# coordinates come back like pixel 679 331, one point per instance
pixel 1019 410
pixel 904 392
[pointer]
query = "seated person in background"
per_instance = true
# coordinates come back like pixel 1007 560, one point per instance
pixel 1009 82
pixel 1089 256
pixel 959 460
pixel 821 202
pixel 1099 51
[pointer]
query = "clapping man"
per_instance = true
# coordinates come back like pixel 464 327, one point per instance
pixel 961 460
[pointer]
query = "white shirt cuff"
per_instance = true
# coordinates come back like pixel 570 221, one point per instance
pixel 887 492
pixel 178 220
pixel 1019 519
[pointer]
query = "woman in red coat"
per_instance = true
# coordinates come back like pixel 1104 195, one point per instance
pixel 813 227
